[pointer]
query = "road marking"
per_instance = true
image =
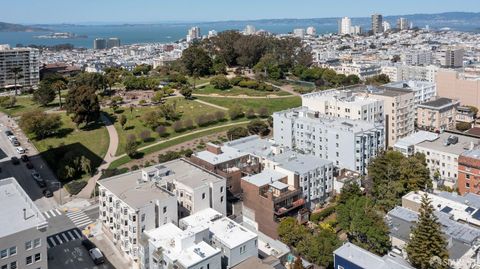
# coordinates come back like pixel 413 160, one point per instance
pixel 51 241
pixel 58 238
pixel 77 234
pixel 71 235
pixel 80 219
pixel 65 237
pixel 52 212
pixel 58 212
pixel 46 214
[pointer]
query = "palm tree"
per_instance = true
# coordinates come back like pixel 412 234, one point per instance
pixel 16 71
pixel 59 86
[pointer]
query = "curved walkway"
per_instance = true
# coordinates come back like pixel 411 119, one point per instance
pixel 210 104
pixel 109 157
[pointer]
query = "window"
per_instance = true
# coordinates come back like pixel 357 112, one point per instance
pixel 36 243
pixel 221 189
pixel 221 199
pixel 13 265
pixel 29 260
pixel 4 266
pixel 12 251
pixel 3 253
pixel 243 249
pixel 203 196
pixel 38 257
pixel 28 245
pixel 164 209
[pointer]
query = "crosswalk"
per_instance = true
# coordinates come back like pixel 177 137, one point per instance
pixel 79 218
pixel 52 213
pixel 63 237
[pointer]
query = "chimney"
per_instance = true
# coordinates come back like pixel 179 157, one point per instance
pixel 25 214
pixel 215 149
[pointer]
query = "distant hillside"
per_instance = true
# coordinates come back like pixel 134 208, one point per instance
pixel 10 27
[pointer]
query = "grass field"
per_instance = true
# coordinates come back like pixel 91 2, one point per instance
pixel 189 110
pixel 209 89
pixel 26 104
pixel 271 104
pixel 198 81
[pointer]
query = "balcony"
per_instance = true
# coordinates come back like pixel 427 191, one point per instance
pixel 282 210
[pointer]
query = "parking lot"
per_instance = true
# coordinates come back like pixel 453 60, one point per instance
pixel 20 170
pixel 73 255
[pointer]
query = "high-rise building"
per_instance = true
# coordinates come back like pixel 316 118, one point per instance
pixel 27 62
pixel 454 58
pixel 311 31
pixel 377 23
pixel 344 26
pixel 99 44
pixel 23 229
pixel 250 30
pixel 386 26
pixel 299 32
pixel 193 34
pixel 212 33
pixel 113 42
pixel 403 24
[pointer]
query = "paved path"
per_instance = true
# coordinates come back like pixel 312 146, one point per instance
pixel 109 157
pixel 210 104
pixel 286 88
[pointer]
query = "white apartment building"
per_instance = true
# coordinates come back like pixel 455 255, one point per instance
pixel 132 203
pixel 362 70
pixel 299 32
pixel 344 26
pixel 423 90
pixel 442 155
pixel 347 143
pixel 26 59
pixel 421 73
pixel 311 31
pixel 345 104
pixel 171 247
pixel 250 30
pixel 236 243
pixel 23 228
pixel 418 57
pixel 193 34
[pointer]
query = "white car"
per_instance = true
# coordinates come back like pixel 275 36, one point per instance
pixel 96 256
pixel 20 150
pixel 12 137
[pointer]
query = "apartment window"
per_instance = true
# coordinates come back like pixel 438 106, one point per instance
pixel 467 176
pixel 3 253
pixel 13 265
pixel 467 185
pixel 221 199
pixel 36 243
pixel 28 245
pixel 243 249
pixel 38 257
pixel 221 189
pixel 4 266
pixel 12 251
pixel 203 196
pixel 164 209
pixel 29 260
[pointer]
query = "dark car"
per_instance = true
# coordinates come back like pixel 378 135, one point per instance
pixel 15 160
pixel 47 193
pixel 29 165
pixel 15 143
pixel 88 244
pixel 8 133
pixel 24 158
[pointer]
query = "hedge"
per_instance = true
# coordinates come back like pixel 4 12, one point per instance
pixel 74 187
pixel 320 216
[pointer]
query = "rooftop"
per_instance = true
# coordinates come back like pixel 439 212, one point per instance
pixel 365 259
pixel 267 176
pixel 474 154
pixel 341 95
pixel 228 153
pixel 464 143
pixel 18 212
pixel 136 192
pixel 298 162
pixel 416 138
pixel 253 145
pixel 439 103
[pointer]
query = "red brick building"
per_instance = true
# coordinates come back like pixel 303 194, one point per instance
pixel 469 172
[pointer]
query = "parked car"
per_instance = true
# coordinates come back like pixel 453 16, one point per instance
pixel 15 143
pixel 20 150
pixel 8 132
pixel 15 160
pixel 24 158
pixel 29 165
pixel 47 193
pixel 96 256
pixel 12 137
pixel 40 181
pixel 88 244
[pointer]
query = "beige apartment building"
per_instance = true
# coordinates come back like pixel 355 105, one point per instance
pixel 463 86
pixel 437 115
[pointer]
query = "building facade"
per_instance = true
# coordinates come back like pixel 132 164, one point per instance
pixel 377 24
pixel 469 172
pixel 423 91
pixel 461 86
pixel 23 232
pixel 27 62
pixel 437 115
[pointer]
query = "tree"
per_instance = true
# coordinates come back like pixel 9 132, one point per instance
pixel 145 135
pixel 414 174
pixel 378 80
pixel 463 126
pixel 123 121
pixel 158 97
pixel 8 101
pixel 236 133
pixel 45 94
pixel 151 119
pixel 427 247
pixel 141 70
pixel 474 110
pixel 16 71
pixel 263 112
pixel 161 131
pixel 290 232
pixel 40 123
pixel 59 86
pixel 365 226
pixel 196 62
pixel 258 127
pixel 220 82
pixel 131 146
pixel 83 103
pixel 235 112
pixel 318 248
pixel 349 191
pixel 298 263
pixel 186 92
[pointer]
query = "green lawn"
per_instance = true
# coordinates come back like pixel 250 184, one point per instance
pixel 209 89
pixel 271 104
pixel 171 143
pixel 189 110
pixel 198 81
pixel 92 142
pixel 26 104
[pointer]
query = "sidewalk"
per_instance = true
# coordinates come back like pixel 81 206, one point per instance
pixel 111 252
pixel 109 157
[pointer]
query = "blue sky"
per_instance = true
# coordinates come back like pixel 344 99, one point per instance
pixel 75 11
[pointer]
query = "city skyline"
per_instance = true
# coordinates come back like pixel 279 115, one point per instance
pixel 144 11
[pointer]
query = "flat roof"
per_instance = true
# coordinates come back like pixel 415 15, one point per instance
pixel 265 177
pixel 463 144
pixel 474 153
pixel 439 103
pixel 297 162
pixel 228 153
pixel 131 189
pixel 416 138
pixel 253 145
pixel 18 212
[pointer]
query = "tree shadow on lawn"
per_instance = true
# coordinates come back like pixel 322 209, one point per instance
pixel 63 132
pixel 131 127
pixel 54 157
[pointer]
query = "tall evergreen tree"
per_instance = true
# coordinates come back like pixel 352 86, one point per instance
pixel 427 247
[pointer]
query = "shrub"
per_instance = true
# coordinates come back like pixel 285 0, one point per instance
pixel 320 216
pixel 188 153
pixel 188 124
pixel 263 112
pixel 251 84
pixel 145 135
pixel 74 187
pixel 463 126
pixel 131 145
pixel 219 116
pixel 236 133
pixel 235 112
pixel 161 131
pixel 250 113
pixel 258 127
pixel 220 82
pixel 177 126
pixel 236 80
